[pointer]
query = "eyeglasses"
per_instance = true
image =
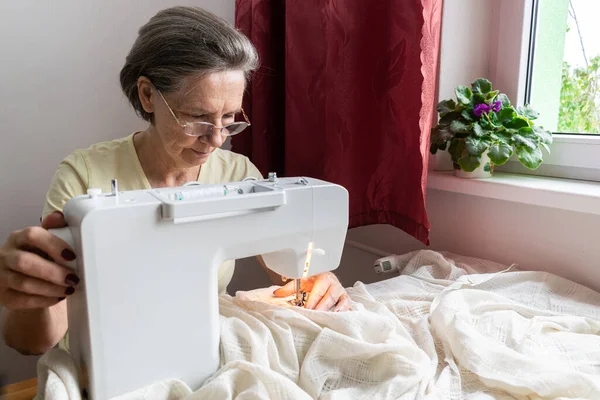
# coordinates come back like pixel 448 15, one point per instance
pixel 206 128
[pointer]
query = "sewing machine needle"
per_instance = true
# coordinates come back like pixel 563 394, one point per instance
pixel 298 293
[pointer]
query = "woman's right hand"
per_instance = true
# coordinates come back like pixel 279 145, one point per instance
pixel 30 274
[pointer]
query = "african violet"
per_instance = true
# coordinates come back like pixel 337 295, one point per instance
pixel 484 120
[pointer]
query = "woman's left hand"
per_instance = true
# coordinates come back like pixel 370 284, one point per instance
pixel 324 292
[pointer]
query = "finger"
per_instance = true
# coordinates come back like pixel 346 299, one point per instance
pixel 286 290
pixel 40 239
pixel 14 300
pixel 32 265
pixel 328 300
pixel 322 284
pixel 28 285
pixel 290 288
pixel 343 304
pixel 54 221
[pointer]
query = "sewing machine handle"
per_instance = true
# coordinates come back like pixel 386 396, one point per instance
pixel 223 207
pixel 65 234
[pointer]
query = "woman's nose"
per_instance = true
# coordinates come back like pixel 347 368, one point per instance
pixel 216 138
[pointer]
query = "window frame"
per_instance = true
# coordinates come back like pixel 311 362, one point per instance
pixel 514 24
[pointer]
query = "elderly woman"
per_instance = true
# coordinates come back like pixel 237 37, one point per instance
pixel 186 76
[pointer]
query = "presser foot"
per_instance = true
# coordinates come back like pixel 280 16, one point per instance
pixel 299 300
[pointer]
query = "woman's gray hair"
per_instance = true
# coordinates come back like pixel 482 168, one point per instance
pixel 179 42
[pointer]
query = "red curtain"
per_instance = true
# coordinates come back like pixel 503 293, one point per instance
pixel 345 93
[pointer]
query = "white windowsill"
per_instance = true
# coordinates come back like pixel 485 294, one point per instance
pixel 565 194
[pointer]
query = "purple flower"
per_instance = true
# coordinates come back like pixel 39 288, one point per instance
pixel 484 108
pixel 481 109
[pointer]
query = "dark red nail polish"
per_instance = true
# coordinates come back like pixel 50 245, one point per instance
pixel 72 279
pixel 61 299
pixel 70 290
pixel 68 255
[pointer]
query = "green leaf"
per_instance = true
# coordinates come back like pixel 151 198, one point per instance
pixel 457 126
pixel 481 86
pixel 497 126
pixel 490 96
pixel 466 115
pixel 527 112
pixel 504 100
pixel 485 124
pixel 441 135
pixel 463 94
pixel 435 137
pixel 525 138
pixel 517 123
pixel 478 130
pixel 506 114
pixel 456 149
pixel 505 136
pixel 448 118
pixel 446 106
pixel 469 163
pixel 530 158
pixel 544 145
pixel 544 135
pixel 444 135
pixel 500 153
pixel 493 117
pixel 494 121
pixel 476 146
pixel 527 131
pixel 435 147
pixel 478 99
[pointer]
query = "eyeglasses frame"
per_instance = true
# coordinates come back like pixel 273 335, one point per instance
pixel 214 127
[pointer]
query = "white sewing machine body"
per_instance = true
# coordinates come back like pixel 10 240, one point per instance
pixel 147 305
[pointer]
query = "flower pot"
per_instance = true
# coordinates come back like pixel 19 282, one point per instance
pixel 484 170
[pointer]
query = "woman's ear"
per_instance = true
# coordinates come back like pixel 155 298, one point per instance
pixel 145 90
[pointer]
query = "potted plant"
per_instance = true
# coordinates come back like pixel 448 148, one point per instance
pixel 482 129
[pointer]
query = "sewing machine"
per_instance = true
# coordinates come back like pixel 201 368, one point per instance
pixel 147 305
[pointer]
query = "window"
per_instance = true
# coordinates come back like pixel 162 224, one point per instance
pixel 565 64
pixel 556 69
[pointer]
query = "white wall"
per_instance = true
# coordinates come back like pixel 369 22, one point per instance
pixel 59 90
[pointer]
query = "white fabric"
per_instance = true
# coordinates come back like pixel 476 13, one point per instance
pixel 57 376
pixel 434 332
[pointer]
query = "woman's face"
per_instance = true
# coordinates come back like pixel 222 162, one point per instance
pixel 214 98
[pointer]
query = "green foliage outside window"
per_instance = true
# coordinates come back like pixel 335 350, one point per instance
pixel 579 98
